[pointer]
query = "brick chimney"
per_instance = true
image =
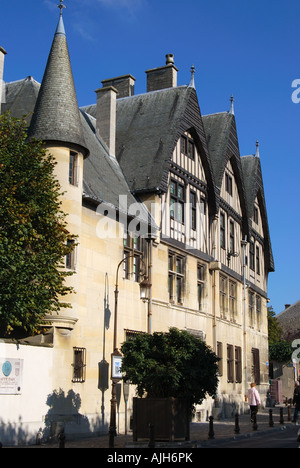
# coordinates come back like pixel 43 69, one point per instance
pixel 162 77
pixel 123 84
pixel 2 55
pixel 106 116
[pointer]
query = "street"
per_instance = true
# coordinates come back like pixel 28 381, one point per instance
pixel 282 439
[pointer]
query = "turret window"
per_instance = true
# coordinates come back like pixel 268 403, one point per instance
pixel 73 168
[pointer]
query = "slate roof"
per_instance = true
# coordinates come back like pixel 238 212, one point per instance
pixel 289 320
pixel 103 180
pixel 56 115
pixel 222 141
pixel 20 97
pixel 148 128
pixel 254 187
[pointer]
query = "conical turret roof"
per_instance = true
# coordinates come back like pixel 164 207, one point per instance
pixel 56 116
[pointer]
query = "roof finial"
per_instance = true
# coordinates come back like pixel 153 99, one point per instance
pixel 192 82
pixel 232 106
pixel 257 149
pixel 60 27
pixel 61 6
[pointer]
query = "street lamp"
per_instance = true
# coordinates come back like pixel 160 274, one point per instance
pixel 116 356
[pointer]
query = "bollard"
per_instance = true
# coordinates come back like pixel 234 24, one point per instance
pixel 289 413
pixel 254 417
pixel 38 439
pixel 211 434
pixel 236 425
pixel 62 439
pixel 281 420
pixel 271 422
pixel 151 436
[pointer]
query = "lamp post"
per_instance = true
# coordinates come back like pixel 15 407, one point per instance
pixel 116 356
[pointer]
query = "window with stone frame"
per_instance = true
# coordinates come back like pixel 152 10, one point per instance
pixel 71 256
pixel 73 168
pixel 251 305
pixel 220 356
pixel 176 277
pixel 79 364
pixel 133 252
pixel 258 311
pixel 255 366
pixel 232 300
pixel 230 363
pixel 201 269
pixel 238 364
pixel 223 286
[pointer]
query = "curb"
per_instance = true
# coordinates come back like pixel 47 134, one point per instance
pixel 214 442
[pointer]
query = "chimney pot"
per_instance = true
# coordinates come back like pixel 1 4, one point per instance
pixel 170 59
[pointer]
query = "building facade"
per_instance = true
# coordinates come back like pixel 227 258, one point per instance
pixel 159 196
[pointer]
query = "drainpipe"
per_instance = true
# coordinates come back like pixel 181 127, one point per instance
pixel 150 247
pixel 214 266
pixel 214 248
pixel 244 244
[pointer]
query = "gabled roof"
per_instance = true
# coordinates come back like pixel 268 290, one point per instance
pixel 56 115
pixel 254 187
pixel 148 128
pixel 222 141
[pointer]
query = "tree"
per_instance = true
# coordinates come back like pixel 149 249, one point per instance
pixel 279 349
pixel 33 232
pixel 173 364
pixel 274 328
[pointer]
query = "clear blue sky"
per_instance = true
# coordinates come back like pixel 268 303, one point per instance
pixel 246 48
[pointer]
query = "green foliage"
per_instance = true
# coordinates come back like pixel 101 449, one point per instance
pixel 281 351
pixel 274 329
pixel 33 232
pixel 174 364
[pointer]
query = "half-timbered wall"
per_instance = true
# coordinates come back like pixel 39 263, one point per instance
pixel 230 222
pixel 185 207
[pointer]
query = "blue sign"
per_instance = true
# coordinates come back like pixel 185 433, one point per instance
pixel 6 368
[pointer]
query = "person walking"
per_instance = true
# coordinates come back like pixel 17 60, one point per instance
pixel 296 401
pixel 254 401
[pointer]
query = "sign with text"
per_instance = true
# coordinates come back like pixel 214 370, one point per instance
pixel 11 373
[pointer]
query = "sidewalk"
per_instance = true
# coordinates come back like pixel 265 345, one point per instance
pixel 223 430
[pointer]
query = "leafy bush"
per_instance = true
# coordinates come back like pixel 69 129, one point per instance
pixel 173 364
